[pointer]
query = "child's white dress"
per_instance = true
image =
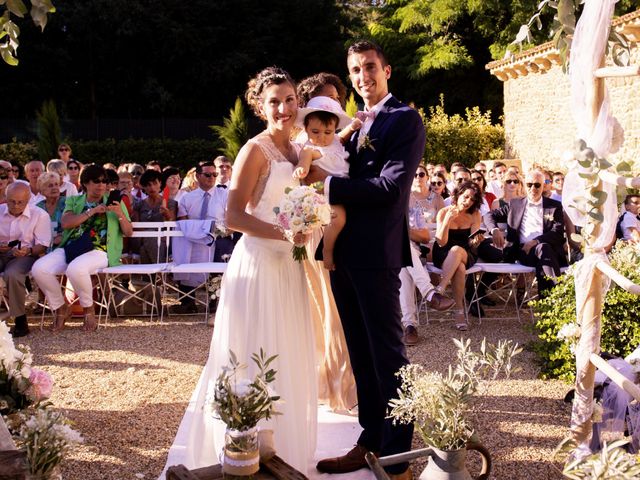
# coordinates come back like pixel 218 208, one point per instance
pixel 334 158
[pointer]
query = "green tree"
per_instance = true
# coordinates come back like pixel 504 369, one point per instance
pixel 234 131
pixel 9 30
pixel 48 126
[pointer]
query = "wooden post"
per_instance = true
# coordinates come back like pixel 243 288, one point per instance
pixel 590 335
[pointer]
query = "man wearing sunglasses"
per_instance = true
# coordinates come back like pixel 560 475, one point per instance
pixel 535 231
pixel 204 203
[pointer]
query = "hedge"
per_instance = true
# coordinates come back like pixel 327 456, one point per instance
pixel 182 154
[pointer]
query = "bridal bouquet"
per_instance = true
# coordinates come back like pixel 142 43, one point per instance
pixel 20 384
pixel 240 402
pixel 302 210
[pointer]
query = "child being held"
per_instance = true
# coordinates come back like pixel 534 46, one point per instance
pixel 321 118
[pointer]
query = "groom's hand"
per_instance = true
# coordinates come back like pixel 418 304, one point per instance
pixel 316 174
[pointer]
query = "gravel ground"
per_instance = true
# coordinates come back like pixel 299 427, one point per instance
pixel 126 388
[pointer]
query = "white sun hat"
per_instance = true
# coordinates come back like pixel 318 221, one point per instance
pixel 323 104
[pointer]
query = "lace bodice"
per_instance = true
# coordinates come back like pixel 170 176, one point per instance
pixel 270 187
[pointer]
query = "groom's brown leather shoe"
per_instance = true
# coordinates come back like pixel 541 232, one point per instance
pixel 440 302
pixel 352 461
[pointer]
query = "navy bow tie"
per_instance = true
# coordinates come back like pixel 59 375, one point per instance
pixel 221 186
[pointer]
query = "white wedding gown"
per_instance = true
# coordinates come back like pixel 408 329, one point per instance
pixel 263 304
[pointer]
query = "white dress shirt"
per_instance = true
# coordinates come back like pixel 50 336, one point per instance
pixel 629 223
pixel 190 205
pixel 69 189
pixel 32 227
pixel 495 187
pixel 531 226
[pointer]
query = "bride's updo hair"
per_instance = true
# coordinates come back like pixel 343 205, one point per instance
pixel 263 80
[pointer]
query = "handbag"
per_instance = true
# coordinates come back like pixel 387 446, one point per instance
pixel 78 246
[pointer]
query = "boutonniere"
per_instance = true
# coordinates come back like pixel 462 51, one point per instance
pixel 549 217
pixel 365 142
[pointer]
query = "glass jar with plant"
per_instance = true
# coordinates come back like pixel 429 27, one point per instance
pixel 241 403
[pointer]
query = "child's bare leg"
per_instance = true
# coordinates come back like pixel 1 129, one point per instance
pixel 331 232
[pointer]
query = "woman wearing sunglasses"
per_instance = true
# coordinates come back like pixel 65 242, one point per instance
pixel 424 197
pixel 4 182
pixel 477 177
pixel 438 184
pixel 73 171
pixel 92 239
pixel 512 186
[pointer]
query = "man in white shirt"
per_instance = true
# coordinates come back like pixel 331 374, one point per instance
pixel 557 185
pixel 25 234
pixel 495 186
pixel 32 171
pixel 535 230
pixel 629 224
pixel 224 169
pixel 136 172
pixel 207 202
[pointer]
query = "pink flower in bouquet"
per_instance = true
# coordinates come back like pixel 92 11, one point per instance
pixel 283 220
pixel 41 385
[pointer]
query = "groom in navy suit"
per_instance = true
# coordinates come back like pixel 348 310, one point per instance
pixel 370 252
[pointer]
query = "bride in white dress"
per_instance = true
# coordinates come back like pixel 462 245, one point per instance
pixel 264 301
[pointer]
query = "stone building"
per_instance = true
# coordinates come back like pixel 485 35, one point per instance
pixel 538 123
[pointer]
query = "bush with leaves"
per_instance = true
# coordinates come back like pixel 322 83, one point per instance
pixel 234 131
pixel 620 328
pixel 468 139
pixel 18 152
pixel 48 127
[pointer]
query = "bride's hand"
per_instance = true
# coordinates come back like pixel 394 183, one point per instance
pixel 301 238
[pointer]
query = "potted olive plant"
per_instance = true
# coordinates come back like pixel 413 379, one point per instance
pixel 439 405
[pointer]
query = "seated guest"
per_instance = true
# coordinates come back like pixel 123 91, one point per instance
pixel 512 187
pixel 548 183
pixel 4 182
pixel 224 168
pixel 32 171
pixel 488 198
pixel 424 196
pixel 452 250
pixel 154 165
pixel 136 172
pixel 481 167
pixel 154 208
pixel 535 231
pixel 64 153
pixel 416 275
pixel 451 184
pixel 113 180
pixel 189 183
pixel 25 234
pixel 73 171
pixel 17 172
pixel 92 239
pixel 430 167
pixel 67 189
pixel 557 185
pixel 125 185
pixel 110 166
pixel 495 186
pixel 53 204
pixel 460 175
pixel 438 184
pixel 171 180
pixel 628 223
pixel 205 203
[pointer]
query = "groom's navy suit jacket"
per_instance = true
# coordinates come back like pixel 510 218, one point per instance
pixel 369 253
pixel 376 195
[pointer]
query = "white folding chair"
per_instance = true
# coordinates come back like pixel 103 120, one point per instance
pixel 511 273
pixel 431 268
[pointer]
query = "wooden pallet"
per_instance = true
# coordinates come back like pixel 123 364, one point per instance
pixel 274 469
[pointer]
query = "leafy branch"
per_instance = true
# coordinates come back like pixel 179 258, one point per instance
pixel 9 30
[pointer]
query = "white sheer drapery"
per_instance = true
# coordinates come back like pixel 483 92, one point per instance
pixel 587 51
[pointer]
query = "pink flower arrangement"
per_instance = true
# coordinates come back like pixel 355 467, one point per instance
pixel 41 385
